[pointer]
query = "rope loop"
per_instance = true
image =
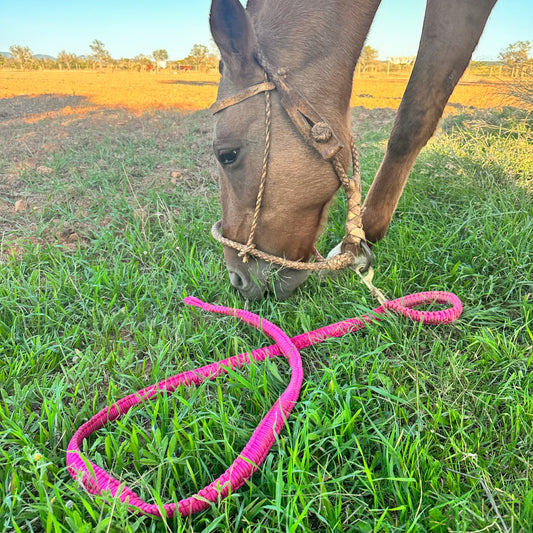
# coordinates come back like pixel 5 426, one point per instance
pixel 96 480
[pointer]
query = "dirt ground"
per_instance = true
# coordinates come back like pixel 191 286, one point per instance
pixel 62 152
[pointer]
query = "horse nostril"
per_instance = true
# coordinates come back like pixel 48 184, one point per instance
pixel 249 280
pixel 236 279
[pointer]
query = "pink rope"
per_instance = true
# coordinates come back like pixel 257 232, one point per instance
pixel 96 480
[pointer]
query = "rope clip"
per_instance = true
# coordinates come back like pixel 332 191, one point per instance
pixel 360 262
pixel 366 277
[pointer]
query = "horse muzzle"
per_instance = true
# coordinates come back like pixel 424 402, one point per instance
pixel 254 278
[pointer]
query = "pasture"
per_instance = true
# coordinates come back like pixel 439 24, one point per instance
pixel 105 211
pixel 188 91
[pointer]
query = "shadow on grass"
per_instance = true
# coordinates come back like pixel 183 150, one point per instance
pixel 191 83
pixel 21 106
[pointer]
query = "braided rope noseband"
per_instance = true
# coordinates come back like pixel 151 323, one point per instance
pixel 320 135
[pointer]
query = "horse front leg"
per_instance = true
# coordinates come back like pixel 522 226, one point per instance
pixel 450 33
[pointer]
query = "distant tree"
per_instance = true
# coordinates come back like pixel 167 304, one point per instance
pixel 124 63
pixel 44 63
pixel 66 59
pixel 214 54
pixel 201 57
pixel 368 57
pixel 21 54
pixel 100 54
pixel 198 56
pixel 160 56
pixel 516 55
pixel 141 62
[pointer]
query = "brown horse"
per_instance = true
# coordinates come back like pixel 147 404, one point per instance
pixel 318 43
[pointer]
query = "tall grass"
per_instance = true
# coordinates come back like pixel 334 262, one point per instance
pixel 401 427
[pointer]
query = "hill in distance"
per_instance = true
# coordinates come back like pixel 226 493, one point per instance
pixel 36 56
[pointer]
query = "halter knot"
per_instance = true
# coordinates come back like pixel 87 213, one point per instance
pixel 245 253
pixel 321 132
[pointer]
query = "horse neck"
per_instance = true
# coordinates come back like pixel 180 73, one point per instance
pixel 319 42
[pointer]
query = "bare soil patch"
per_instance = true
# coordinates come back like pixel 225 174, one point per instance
pixel 62 159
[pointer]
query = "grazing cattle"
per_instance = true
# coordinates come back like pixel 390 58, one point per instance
pixel 297 58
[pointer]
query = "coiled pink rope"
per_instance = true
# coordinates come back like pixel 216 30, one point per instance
pixel 96 480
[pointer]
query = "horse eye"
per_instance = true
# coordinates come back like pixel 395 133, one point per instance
pixel 227 157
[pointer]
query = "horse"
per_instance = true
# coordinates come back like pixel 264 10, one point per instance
pixel 287 68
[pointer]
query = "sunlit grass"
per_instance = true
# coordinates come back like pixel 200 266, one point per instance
pixel 136 91
pixel 139 91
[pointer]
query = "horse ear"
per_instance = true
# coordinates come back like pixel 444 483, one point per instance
pixel 233 34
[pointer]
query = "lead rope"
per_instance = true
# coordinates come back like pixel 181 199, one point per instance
pixel 96 480
pixel 354 233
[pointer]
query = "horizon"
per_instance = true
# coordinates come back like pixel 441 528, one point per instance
pixel 171 59
pixel 127 32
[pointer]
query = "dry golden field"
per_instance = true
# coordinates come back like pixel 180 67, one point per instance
pixel 139 91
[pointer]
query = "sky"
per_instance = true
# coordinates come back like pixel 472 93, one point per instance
pixel 131 27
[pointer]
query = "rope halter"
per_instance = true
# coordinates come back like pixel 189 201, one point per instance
pixel 319 134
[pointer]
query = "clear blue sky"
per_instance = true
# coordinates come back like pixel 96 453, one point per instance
pixel 129 28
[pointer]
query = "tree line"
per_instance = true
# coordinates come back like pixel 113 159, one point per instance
pixel 513 61
pixel 201 57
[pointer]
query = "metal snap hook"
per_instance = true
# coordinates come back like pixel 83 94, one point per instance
pixel 367 252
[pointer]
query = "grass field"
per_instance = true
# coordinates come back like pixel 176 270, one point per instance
pixel 104 225
pixel 139 91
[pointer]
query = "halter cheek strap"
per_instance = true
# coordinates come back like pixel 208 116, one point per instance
pixel 244 95
pixel 312 127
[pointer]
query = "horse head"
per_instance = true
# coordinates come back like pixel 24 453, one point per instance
pixel 299 183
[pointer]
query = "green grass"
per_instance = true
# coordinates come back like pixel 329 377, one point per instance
pixel 399 428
